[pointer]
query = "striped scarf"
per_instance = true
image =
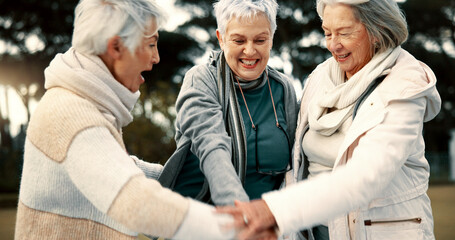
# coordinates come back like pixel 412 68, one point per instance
pixel 231 109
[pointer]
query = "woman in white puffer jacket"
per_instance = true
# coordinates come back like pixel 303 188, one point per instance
pixel 359 141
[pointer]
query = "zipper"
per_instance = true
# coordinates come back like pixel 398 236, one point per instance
pixel 414 220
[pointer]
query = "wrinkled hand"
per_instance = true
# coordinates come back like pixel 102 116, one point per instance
pixel 253 220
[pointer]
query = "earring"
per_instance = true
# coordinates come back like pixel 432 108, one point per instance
pixel 376 45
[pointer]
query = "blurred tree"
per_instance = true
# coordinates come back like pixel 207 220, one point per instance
pixel 432 40
pixel 34 31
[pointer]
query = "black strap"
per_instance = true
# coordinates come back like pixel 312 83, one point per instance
pixel 360 100
pixel 365 94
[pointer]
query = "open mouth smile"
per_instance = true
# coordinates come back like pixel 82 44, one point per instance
pixel 342 57
pixel 249 63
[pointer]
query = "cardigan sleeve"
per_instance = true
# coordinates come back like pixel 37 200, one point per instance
pixel 106 175
pixel 112 182
pixel 200 118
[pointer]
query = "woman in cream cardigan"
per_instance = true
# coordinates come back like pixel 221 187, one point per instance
pixel 359 138
pixel 78 181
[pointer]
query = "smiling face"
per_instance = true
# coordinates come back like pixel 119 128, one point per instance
pixel 129 66
pixel 247 45
pixel 346 38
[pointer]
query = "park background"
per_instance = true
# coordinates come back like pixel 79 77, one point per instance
pixel 33 31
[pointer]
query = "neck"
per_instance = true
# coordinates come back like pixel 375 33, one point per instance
pixel 249 84
pixel 108 61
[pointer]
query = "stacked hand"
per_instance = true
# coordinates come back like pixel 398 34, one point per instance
pixel 253 220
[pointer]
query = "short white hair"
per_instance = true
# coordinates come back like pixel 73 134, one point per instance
pixel 225 10
pixel 383 20
pixel 96 21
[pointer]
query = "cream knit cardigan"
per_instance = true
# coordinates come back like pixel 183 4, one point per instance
pixel 78 181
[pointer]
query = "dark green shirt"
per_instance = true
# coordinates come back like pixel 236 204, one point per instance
pixel 273 152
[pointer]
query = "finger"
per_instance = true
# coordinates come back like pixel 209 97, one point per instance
pixel 255 229
pixel 238 203
pixel 250 232
pixel 264 235
pixel 268 234
pixel 240 221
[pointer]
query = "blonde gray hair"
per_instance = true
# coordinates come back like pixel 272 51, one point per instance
pixel 383 20
pixel 96 21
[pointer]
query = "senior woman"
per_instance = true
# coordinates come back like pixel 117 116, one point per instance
pixel 359 139
pixel 78 181
pixel 236 116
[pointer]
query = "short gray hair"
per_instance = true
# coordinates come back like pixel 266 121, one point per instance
pixel 382 19
pixel 225 10
pixel 96 21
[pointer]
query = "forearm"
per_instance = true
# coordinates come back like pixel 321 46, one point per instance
pixel 144 206
pixel 225 185
pixel 107 177
pixel 200 118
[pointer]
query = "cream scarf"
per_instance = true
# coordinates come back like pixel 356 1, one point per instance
pixel 88 77
pixel 335 93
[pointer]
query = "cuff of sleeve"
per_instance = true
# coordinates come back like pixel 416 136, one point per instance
pixel 278 209
pixel 151 170
pixel 201 222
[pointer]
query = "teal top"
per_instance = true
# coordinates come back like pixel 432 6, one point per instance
pixel 270 142
pixel 273 150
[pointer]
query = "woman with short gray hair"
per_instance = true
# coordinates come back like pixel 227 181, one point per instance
pixel 359 150
pixel 236 116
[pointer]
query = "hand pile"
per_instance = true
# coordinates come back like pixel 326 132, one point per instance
pixel 252 220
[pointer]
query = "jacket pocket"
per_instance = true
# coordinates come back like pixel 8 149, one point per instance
pixel 407 228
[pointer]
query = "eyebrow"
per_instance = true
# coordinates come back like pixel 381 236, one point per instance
pixel 337 29
pixel 154 37
pixel 240 35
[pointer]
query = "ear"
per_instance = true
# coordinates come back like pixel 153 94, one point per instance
pixel 115 47
pixel 220 39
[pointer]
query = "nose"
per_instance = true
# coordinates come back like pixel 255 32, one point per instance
pixel 156 57
pixel 249 49
pixel 334 43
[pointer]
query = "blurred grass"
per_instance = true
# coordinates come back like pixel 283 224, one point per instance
pixel 443 204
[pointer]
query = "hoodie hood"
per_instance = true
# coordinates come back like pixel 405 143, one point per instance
pixel 410 78
pixel 88 76
pixel 434 100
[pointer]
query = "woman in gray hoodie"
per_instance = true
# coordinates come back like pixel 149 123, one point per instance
pixel 236 117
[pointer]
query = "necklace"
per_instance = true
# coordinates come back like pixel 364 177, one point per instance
pixel 246 105
pixel 255 128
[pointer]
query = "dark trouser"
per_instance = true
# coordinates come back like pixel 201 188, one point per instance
pixel 321 232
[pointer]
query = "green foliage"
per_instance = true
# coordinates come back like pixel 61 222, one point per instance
pixel 148 141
